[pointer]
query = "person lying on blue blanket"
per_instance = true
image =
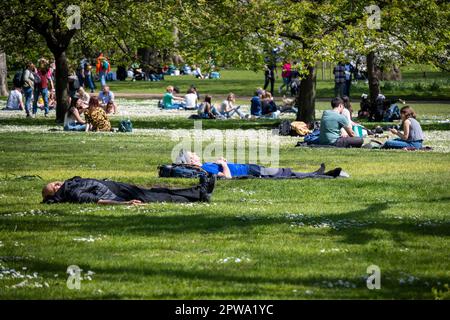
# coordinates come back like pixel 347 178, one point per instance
pixel 229 170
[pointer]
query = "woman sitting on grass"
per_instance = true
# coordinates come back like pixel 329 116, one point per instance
pixel 412 136
pixel 228 109
pixel 96 117
pixel 207 110
pixel 72 118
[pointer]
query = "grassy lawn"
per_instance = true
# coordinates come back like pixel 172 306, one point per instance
pixel 291 239
pixel 243 83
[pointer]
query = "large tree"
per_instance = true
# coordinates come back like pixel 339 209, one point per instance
pixel 121 26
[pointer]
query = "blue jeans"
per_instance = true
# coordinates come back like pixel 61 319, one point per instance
pixel 102 76
pixel 175 106
pixel 90 82
pixel 28 94
pixel 400 144
pixel 44 93
pixel 74 126
pixel 231 113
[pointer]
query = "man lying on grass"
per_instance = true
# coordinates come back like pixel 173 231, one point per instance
pixel 229 170
pixel 79 190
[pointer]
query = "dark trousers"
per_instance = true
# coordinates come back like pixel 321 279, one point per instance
pixel 349 142
pixel 130 192
pixel 263 172
pixel 348 83
pixel 270 80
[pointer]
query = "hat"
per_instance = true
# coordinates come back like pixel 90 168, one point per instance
pixel 183 157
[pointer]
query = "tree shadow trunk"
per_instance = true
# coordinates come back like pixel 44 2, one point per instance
pixel 61 81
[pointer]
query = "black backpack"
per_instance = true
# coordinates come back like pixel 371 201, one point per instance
pixel 180 171
pixel 284 129
pixel 19 79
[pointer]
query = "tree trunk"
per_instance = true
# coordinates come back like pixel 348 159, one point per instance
pixel 3 75
pixel 61 81
pixel 306 99
pixel 374 82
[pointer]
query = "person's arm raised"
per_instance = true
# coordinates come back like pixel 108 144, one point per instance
pixel 226 170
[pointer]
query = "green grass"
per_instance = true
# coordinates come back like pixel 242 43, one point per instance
pixel 244 83
pixel 392 212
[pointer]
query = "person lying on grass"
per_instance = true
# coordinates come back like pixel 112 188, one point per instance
pixel 229 170
pixel 412 135
pixel 79 190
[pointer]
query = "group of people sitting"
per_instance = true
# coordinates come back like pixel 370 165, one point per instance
pixel 262 105
pixel 336 128
pixel 94 109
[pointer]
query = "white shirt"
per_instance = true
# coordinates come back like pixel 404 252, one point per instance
pixel 14 99
pixel 191 100
pixel 225 105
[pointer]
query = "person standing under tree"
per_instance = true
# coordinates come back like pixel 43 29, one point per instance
pixel 45 75
pixel 339 80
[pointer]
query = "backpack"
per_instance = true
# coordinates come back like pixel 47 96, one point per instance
pixel 313 137
pixel 391 114
pixel 284 129
pixel 19 79
pixel 300 128
pixel 125 126
pixel 180 171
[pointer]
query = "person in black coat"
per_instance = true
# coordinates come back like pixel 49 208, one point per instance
pixel 80 190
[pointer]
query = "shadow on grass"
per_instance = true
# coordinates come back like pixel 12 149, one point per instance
pixel 224 282
pixel 354 227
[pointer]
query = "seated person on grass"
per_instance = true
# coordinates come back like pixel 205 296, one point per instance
pixel 72 118
pixel 79 190
pixel 168 99
pixel 191 99
pixel 330 128
pixel 15 100
pixel 269 108
pixel 229 170
pixel 96 117
pixel 206 110
pixel 256 104
pixel 228 109
pixel 106 99
pixel 412 136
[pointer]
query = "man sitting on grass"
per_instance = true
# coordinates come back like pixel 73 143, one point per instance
pixel 330 128
pixel 79 190
pixel 106 98
pixel 229 170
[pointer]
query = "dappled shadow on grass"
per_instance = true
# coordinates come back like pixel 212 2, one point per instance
pixel 231 281
pixel 354 227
